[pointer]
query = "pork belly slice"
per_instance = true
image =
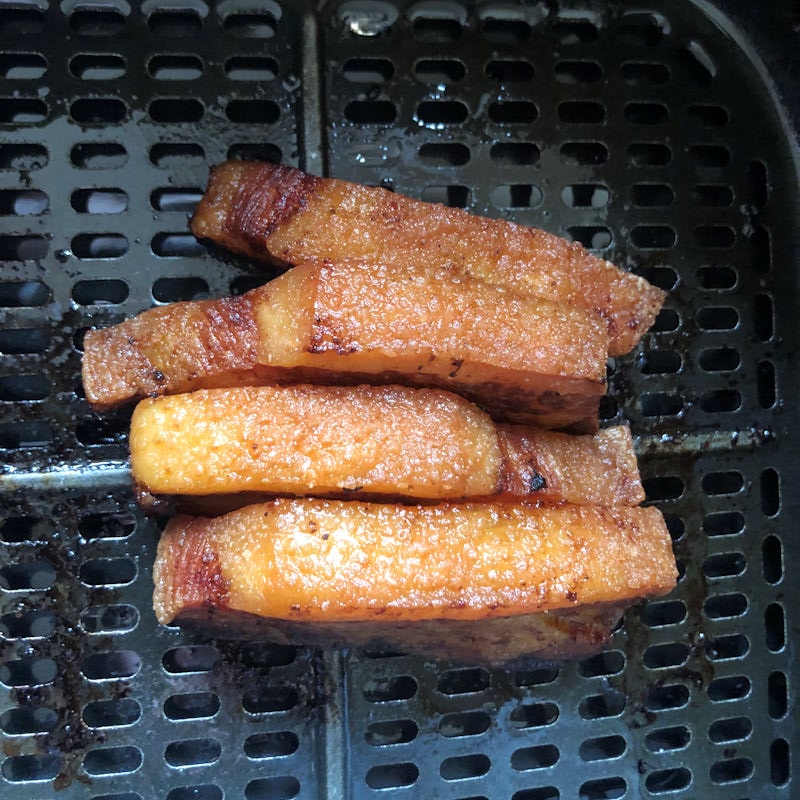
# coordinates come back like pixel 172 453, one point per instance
pixel 524 360
pixel 368 571
pixel 390 441
pixel 280 214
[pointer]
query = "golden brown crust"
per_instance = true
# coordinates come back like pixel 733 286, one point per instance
pixel 522 359
pixel 363 442
pixel 329 218
pixel 311 560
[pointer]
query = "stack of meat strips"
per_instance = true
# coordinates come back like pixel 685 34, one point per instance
pixel 394 442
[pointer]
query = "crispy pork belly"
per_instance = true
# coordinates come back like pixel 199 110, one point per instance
pixel 379 441
pixel 523 359
pixel 323 571
pixel 278 213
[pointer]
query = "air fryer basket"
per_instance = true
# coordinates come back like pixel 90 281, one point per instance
pixel 653 133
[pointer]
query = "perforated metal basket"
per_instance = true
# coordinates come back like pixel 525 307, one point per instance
pixel 659 134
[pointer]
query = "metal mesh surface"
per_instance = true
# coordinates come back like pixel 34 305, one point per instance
pixel 650 133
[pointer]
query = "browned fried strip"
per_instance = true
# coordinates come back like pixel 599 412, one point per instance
pixel 277 213
pixel 324 562
pixel 524 360
pixel 389 441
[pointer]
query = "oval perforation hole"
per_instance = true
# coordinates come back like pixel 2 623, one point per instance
pixel 175 24
pixel 444 154
pixel 603 789
pixel 609 662
pixel 772 559
pixel 394 687
pixel 251 24
pixel 602 748
pixel 717 277
pixel 600 706
pixel 766 389
pixel 714 236
pixel 254 68
pixel 99 22
pixel 656 614
pixel 720 401
pixel 724 606
pixel 778 695
pixel 710 155
pixel 535 677
pixel 668 780
pixel 733 687
pixel 98 111
pixel 538 757
pixel 508 71
pixel 734 770
pixel 190 658
pixel 23 387
pixel 514 153
pixel 578 72
pixel 725 648
pixel 113 618
pixel 368 70
pixel 28 625
pixel 99 155
pixel 176 110
pixel 253 112
pixel 571 31
pixel 723 523
pixel 581 112
pixel 584 153
pixel 269 699
pixel 585 195
pixel 191 705
pixel 731 729
pixel 513 112
pixel 99 201
pixel 120 712
pixel 27 769
pixel 724 565
pixel 775 627
pixel 459 768
pixel 661 698
pixel 463 681
pixel 516 195
pixel 23 202
pixel 505 31
pixel 172 290
pixel 370 112
pixel 436 30
pixel 107 571
pixel 274 744
pixel 663 487
pixel 22 110
pixel 661 656
pixel 763 319
pixel 719 359
pixel 593 237
pixel 111 666
pixel 108 430
pixel 439 70
pixel 466 723
pixel 442 112
pixel 170 155
pixel 19 20
pixel 392 776
pixel 26 720
pixel 23 157
pixel 717 483
pixel 646 113
pixel 667 739
pixel 97 66
pixel 18 435
pixel 660 362
pixel 653 237
pixel 99 245
pixel 30 671
pixel 106 526
pixel 183 199
pixel 263 655
pixel 645 73
pixel 192 752
pixel 33 576
pixel 15 529
pixel 643 28
pixel 779 762
pixel 649 154
pixel 717 318
pixel 177 245
pixel 648 195
pixel 255 151
pixel 396 731
pixel 712 195
pixel 533 715
pixel 23 247
pixel 175 67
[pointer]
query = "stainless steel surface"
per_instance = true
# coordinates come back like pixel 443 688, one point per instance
pixel 654 134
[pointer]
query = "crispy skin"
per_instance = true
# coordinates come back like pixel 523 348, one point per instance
pixel 320 562
pixel 277 213
pixel 390 441
pixel 524 360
